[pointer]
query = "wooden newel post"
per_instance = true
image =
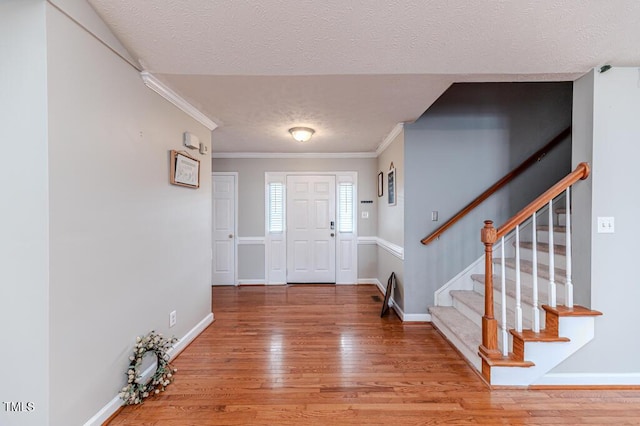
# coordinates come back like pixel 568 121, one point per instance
pixel 489 348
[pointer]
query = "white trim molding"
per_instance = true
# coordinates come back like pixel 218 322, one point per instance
pixel 368 241
pixel 394 249
pixel 390 137
pixel 589 379
pixel 163 90
pixel 252 282
pixel 409 317
pixel 293 155
pixel 244 241
pixel 112 406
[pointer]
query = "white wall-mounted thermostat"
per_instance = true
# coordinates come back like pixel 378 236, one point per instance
pixel 191 141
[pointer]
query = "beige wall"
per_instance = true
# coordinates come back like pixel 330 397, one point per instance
pixel 24 233
pixel 391 218
pixel 251 186
pixel 127 247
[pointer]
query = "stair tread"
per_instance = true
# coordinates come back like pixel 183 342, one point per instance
pixel 557 248
pixel 556 228
pixel 526 266
pixel 508 361
pixel 526 289
pixel 542 336
pixel 465 329
pixel 475 301
pixel 576 311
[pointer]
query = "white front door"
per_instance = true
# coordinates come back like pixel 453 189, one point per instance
pixel 224 216
pixel 311 218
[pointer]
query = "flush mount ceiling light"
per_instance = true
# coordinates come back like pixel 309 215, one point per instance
pixel 301 134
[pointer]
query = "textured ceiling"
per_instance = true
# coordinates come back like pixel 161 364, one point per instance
pixel 352 69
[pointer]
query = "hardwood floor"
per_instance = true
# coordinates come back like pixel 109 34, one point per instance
pixel 321 355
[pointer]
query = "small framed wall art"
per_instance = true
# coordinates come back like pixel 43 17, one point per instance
pixel 380 184
pixel 391 185
pixel 184 170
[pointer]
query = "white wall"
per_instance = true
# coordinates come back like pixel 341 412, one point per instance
pixel 126 246
pixel 471 137
pixel 251 175
pixel 24 218
pixel 391 218
pixel 609 141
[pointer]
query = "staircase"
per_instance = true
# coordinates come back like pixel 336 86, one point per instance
pixel 536 325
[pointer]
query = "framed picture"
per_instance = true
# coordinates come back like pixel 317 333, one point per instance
pixel 391 185
pixel 380 184
pixel 185 170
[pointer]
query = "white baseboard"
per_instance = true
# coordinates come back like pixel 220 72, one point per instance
pixel 113 405
pixel 252 282
pixel 589 379
pixel 372 281
pixel 191 335
pixel 410 317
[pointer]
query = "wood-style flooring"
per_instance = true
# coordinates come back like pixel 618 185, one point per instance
pixel 321 355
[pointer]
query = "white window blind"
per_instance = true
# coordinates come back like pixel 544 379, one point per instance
pixel 276 207
pixel 345 207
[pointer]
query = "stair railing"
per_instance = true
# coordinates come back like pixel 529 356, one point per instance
pixel 489 235
pixel 534 158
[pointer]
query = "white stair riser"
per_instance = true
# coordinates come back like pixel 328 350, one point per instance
pixel 527 279
pixel 543 257
pixel 527 310
pixel 545 356
pixel 558 237
pixel 561 219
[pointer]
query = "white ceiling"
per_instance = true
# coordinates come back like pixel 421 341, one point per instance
pixel 352 69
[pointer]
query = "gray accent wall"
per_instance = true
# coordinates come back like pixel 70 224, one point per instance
pixel 251 202
pixel 607 107
pixel 472 136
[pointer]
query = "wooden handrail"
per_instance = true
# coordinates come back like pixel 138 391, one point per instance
pixel 535 157
pixel 581 172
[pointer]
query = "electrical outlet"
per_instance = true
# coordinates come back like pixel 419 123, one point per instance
pixel 172 318
pixel 606 225
pixel 434 216
pixel 365 215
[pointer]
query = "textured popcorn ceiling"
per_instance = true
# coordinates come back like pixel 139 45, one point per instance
pixel 352 69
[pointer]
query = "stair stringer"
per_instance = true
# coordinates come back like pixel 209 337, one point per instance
pixel 547 355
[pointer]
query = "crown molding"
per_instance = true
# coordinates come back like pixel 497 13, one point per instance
pixel 397 129
pixel 293 155
pixel 161 89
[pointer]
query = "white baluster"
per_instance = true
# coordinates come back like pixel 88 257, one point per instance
pixel 552 269
pixel 534 260
pixel 503 300
pixel 518 305
pixel 569 285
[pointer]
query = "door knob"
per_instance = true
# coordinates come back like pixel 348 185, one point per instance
pixel 230 235
pixel 333 235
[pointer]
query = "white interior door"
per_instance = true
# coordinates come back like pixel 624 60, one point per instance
pixel 311 218
pixel 224 216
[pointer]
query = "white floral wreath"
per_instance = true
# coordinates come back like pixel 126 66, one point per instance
pixel 135 391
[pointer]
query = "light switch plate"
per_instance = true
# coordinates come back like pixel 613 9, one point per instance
pixel 606 225
pixel 365 215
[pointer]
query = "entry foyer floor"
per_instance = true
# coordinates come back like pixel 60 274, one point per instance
pixel 321 355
